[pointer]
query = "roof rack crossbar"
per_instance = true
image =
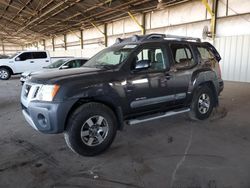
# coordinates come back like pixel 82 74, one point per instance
pixel 182 38
pixel 155 36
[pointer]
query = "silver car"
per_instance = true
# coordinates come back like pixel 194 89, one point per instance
pixel 66 63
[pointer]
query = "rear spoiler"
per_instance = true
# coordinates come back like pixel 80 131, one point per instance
pixel 213 49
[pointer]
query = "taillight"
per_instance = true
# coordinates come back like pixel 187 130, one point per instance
pixel 219 71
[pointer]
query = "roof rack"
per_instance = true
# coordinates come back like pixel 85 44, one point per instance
pixel 163 36
pixel 155 36
pixel 182 38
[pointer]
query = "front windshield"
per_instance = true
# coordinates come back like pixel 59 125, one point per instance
pixel 110 57
pixel 56 64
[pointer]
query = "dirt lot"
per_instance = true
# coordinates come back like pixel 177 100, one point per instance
pixel 173 152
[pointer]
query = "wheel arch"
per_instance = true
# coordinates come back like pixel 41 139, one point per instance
pixel 211 85
pixel 7 67
pixel 116 109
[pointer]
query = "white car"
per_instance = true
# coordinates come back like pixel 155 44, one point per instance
pixel 66 63
pixel 24 61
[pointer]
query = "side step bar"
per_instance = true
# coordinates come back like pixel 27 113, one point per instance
pixel 157 116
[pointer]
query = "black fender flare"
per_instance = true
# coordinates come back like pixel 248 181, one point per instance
pixel 208 78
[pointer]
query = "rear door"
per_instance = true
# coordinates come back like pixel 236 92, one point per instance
pixel 40 60
pixel 183 63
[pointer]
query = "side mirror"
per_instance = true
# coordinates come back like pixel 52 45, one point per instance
pixel 18 59
pixel 64 67
pixel 142 64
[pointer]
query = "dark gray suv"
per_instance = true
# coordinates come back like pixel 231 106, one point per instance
pixel 138 79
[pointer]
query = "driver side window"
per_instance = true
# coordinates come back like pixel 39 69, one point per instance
pixel 154 56
pixel 24 56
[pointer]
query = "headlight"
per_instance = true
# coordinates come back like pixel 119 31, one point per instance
pixel 47 92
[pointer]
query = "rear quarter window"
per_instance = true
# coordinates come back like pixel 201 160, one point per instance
pixel 205 53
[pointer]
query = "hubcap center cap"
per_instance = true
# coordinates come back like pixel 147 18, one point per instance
pixel 94 130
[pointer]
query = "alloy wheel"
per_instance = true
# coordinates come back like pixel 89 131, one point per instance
pixel 94 130
pixel 204 103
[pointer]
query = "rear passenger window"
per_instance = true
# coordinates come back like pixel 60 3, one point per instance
pixel 205 53
pixel 182 55
pixel 39 55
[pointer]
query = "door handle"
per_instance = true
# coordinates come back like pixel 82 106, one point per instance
pixel 168 76
pixel 31 61
pixel 47 61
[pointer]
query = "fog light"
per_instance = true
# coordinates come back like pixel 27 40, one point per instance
pixel 42 120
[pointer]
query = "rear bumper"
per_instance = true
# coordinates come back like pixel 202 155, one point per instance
pixel 47 117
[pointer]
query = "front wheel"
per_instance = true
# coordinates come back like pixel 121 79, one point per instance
pixel 202 104
pixel 91 129
pixel 4 74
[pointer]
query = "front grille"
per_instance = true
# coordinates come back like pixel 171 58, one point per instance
pixel 30 91
pixel 36 91
pixel 27 90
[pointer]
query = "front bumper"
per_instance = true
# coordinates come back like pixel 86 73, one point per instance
pixel 47 117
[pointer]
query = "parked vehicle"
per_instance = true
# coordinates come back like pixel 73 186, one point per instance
pixel 66 63
pixel 24 61
pixel 138 79
pixel 2 56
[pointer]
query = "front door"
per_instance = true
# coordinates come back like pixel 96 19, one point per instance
pixel 24 62
pixel 150 88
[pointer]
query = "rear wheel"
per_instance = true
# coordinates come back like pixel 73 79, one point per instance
pixel 202 104
pixel 91 129
pixel 4 74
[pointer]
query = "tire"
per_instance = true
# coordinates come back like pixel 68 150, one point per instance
pixel 4 74
pixel 202 103
pixel 91 129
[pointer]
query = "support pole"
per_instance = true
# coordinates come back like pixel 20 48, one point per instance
pixel 142 27
pixel 3 47
pixel 144 23
pixel 44 44
pixel 65 41
pixel 213 13
pixel 105 35
pixel 81 38
pixel 53 44
pixel 215 10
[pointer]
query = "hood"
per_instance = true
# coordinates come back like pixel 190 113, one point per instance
pixel 4 60
pixel 31 73
pixel 52 77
